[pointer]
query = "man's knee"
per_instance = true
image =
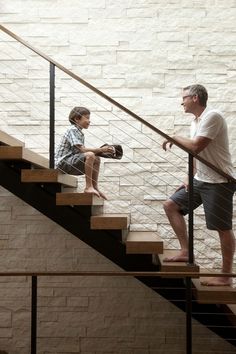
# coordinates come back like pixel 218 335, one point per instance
pixel 170 206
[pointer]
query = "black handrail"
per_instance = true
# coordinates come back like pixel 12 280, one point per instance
pixel 117 104
pixel 52 115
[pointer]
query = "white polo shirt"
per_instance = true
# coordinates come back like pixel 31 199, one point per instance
pixel 212 125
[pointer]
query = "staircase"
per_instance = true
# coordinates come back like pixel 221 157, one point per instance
pixel 27 175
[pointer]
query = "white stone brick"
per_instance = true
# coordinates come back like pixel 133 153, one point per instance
pixel 140 12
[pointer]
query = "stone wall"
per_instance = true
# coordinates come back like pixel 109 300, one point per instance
pixel 141 53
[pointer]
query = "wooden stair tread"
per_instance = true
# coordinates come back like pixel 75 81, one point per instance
pixel 214 294
pixel 109 222
pixel 21 153
pixel 7 139
pixel 48 176
pixel 143 242
pixel 66 198
pixel 175 266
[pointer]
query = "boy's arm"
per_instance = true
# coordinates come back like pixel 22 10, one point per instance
pixel 99 150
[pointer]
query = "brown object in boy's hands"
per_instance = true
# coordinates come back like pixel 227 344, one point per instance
pixel 117 152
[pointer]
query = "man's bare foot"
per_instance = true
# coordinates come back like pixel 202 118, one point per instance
pixel 102 195
pixel 91 190
pixel 182 256
pixel 217 281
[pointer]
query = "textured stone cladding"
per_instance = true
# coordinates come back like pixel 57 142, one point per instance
pixel 141 53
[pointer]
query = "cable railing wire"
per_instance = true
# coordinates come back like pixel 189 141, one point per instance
pixel 118 117
pixel 129 136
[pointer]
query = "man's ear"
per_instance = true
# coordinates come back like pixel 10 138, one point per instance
pixel 195 98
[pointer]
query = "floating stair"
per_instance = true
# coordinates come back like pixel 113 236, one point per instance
pixel 143 242
pixel 66 198
pixel 14 149
pixel 213 294
pixel 16 153
pixel 7 139
pixel 48 176
pixel 109 222
pixel 175 266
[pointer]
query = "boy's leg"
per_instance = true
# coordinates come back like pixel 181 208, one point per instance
pixel 89 167
pixel 96 168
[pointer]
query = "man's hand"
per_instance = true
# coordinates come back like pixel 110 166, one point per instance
pixel 167 145
pixel 183 185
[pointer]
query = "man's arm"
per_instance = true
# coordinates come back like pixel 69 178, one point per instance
pixel 195 145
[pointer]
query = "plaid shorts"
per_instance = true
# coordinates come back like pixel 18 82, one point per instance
pixel 73 165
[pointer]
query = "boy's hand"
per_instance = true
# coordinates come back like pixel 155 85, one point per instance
pixel 107 148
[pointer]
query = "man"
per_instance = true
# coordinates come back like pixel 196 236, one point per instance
pixel 209 139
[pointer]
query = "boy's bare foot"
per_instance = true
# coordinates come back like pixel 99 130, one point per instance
pixel 102 195
pixel 91 190
pixel 181 256
pixel 217 281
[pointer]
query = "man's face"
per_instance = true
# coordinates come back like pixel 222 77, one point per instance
pixel 83 121
pixel 187 101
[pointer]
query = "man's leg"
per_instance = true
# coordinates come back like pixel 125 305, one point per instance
pixel 227 242
pixel 218 206
pixel 178 224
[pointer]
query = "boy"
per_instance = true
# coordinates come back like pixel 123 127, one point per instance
pixel 74 158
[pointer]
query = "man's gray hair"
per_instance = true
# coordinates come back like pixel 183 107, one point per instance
pixel 200 91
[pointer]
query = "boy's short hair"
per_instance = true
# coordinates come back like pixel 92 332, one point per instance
pixel 77 112
pixel 199 90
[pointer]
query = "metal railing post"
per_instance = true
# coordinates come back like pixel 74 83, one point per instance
pixel 190 207
pixel 191 257
pixel 34 315
pixel 52 115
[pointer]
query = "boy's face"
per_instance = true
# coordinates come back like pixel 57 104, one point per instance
pixel 84 121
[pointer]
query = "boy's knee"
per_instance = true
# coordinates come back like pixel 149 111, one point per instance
pixel 90 155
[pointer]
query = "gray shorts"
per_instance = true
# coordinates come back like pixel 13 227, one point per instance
pixel 217 200
pixel 73 165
